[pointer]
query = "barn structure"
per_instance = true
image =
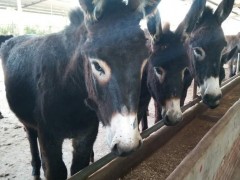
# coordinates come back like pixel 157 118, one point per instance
pixel 206 145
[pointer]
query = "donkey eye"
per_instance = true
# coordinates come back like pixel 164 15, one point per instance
pixel 199 53
pixel 158 71
pixel 98 68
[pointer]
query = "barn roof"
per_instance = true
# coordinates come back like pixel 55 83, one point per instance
pixel 54 7
pixel 61 7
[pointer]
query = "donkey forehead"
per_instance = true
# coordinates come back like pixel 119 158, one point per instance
pixel 175 57
pixel 117 46
pixel 109 38
pixel 208 36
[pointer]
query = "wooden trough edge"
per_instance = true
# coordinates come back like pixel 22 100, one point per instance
pixel 205 161
pixel 120 166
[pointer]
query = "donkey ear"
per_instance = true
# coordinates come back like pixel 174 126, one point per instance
pixel 223 10
pixel 87 6
pixel 228 55
pixel 154 24
pixel 150 6
pixel 92 8
pixel 188 23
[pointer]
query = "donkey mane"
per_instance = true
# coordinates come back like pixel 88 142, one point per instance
pixel 207 16
pixel 168 38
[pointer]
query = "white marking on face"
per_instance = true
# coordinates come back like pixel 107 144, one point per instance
pixel 172 110
pixel 123 131
pixel 160 73
pixel 101 70
pixel 210 86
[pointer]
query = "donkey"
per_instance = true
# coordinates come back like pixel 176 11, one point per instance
pixel 205 44
pixel 3 38
pixel 60 85
pixel 167 67
pixel 232 41
pixel 226 57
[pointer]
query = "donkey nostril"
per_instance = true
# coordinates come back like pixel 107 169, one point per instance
pixel 166 120
pixel 207 97
pixel 115 148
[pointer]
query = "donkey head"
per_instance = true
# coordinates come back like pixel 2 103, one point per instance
pixel 168 63
pixel 206 43
pixel 115 54
pixel 224 59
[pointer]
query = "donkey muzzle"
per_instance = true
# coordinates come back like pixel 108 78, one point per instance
pixel 123 134
pixel 171 112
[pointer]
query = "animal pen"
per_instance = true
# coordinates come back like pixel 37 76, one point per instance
pixel 204 146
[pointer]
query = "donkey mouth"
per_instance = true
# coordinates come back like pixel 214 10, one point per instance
pixel 169 123
pixel 118 152
pixel 211 105
pixel 123 154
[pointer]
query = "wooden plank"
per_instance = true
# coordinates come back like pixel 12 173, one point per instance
pixel 206 158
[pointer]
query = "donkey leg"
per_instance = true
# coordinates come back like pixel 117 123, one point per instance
pixel 36 162
pixel 187 81
pixel 92 157
pixel 144 121
pixel 51 151
pixel 231 69
pixel 83 148
pixel 43 164
pixel 1 116
pixel 183 96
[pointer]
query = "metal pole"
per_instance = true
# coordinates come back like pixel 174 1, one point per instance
pixel 19 14
pixel 194 89
pixel 238 64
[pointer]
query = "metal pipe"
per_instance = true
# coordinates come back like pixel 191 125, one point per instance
pixel 19 13
pixel 194 89
pixel 238 64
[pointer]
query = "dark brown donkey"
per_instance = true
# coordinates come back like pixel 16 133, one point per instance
pixel 232 41
pixel 166 70
pixel 60 85
pixel 205 45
